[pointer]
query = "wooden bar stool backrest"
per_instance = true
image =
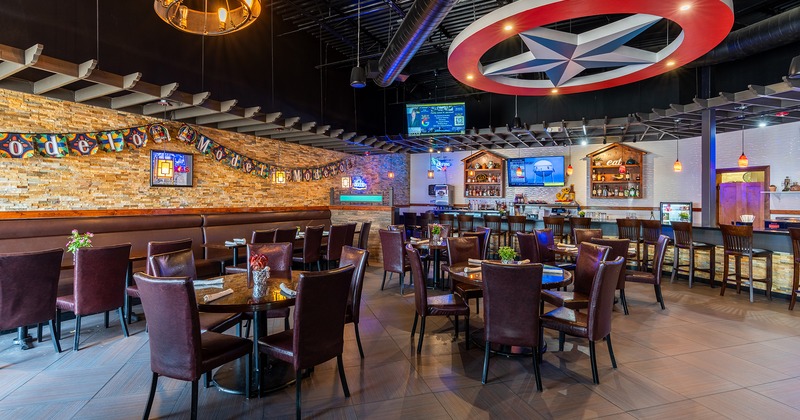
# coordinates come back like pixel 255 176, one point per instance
pixel 516 223
pixel 556 224
pixel 493 222
pixel 445 218
pixel 584 235
pixel 651 230
pixel 794 234
pixel 410 219
pixel 580 223
pixel 682 234
pixel 629 229
pixel 738 240
pixel 465 222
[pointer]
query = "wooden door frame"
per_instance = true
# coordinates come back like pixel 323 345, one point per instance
pixel 765 184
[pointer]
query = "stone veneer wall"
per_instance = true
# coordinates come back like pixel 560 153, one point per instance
pixel 380 218
pixel 108 181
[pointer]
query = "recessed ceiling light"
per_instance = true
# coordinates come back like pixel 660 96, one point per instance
pixel 762 124
pixel 670 63
pixel 508 27
pixel 470 77
pixel 685 7
pixel 584 142
pixel 554 90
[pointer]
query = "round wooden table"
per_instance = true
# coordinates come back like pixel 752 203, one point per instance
pixel 230 377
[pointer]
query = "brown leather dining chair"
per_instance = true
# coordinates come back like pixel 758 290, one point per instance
pixel 442 305
pixel 286 235
pixel 545 241
pixel 483 239
pixel 595 323
pixel 28 288
pixel 100 275
pixel 311 245
pixel 460 250
pixel 263 236
pixel 363 237
pixel 279 258
pixel 653 277
pixel 651 230
pixel 178 348
pixel 394 259
pixel 617 248
pixel 511 299
pixel 590 257
pixel 580 235
pixel 181 264
pixel 337 238
pixel 358 259
pixel 578 223
pixel 318 333
pixel 351 234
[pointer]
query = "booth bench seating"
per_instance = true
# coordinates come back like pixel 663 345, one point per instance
pixel 19 235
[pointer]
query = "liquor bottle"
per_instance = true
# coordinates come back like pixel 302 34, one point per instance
pixel 594 174
pixel 638 177
pixel 625 193
pixel 594 191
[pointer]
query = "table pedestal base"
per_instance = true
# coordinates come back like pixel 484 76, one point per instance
pixel 230 378
pixel 23 340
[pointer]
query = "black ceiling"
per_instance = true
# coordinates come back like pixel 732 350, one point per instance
pixel 296 60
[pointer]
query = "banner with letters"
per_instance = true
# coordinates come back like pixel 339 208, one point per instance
pixel 58 145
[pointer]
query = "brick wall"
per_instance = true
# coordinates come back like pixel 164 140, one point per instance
pixel 121 180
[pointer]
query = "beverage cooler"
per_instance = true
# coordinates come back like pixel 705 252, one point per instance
pixel 675 212
pixel 443 195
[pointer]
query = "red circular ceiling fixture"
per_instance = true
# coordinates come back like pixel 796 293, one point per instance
pixel 563 56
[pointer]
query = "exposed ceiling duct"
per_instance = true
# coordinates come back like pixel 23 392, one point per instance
pixel 421 20
pixel 765 35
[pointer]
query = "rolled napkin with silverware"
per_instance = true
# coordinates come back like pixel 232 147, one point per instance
pixel 474 261
pixel 471 269
pixel 215 296
pixel 525 261
pixel 548 270
pixel 230 243
pixel 202 284
pixel 287 291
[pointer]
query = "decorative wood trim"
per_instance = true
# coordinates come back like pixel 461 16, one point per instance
pixel 776 211
pixel 145 212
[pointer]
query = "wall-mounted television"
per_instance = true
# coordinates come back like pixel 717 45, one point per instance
pixel 170 169
pixel 536 171
pixel 436 119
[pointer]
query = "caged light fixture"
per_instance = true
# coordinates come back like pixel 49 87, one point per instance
pixel 196 18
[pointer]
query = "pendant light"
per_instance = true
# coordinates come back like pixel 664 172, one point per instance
pixel 471 171
pixel 517 120
pixel 358 79
pixel 569 167
pixel 430 166
pixel 743 161
pixel 677 167
pixel 519 171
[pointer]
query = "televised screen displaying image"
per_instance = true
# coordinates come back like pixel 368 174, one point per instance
pixel 541 171
pixel 170 169
pixel 435 119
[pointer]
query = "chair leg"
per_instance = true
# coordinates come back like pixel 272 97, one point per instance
pixel 466 325
pixel 712 267
pixel 56 344
pixel 358 340
pixel 319 267
pixel 455 319
pixel 624 301
pixel 485 362
pixel 342 377
pixel 194 399
pixel 537 372
pixel 414 327
pixel 561 338
pixel 127 308
pixel 77 332
pixel 593 358
pixel 122 322
pixel 39 332
pixel 795 285
pixel 384 280
pixel 207 379
pixel 691 267
pixel 297 393
pixel 659 297
pixel 286 323
pixel 725 271
pixel 676 257
pixel 402 282
pixel 105 318
pixel 152 396
pixel 58 323
pixel 421 335
pixel 611 351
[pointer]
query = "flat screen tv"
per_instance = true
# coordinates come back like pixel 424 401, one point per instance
pixel 536 171
pixel 170 169
pixel 436 119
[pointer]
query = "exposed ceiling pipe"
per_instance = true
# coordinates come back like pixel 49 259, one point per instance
pixel 422 19
pixel 765 35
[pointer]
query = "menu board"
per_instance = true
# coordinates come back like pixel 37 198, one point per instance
pixel 675 212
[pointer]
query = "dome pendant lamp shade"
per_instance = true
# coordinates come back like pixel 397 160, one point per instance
pixel 358 78
pixel 677 167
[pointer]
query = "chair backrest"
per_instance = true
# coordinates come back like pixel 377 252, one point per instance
pixel 337 238
pixel 651 230
pixel 556 223
pixel 392 248
pixel 319 316
pixel 173 325
pixel 658 258
pixel 350 236
pixel 528 247
pixel 28 287
pixel 410 219
pixel 629 229
pixel 544 241
pixel 617 248
pixel 313 241
pixel 263 236
pixel 460 249
pixel 493 222
pixel 162 247
pixel 358 259
pixel 398 228
pixel 174 264
pixel 601 298
pixel 511 296
pixel 589 258
pixel 794 234
pixel 446 218
pixel 465 222
pixel 279 255
pixel 582 235
pixel 682 233
pixel 483 239
pixel 286 235
pixel 517 223
pixel 363 237
pixel 580 223
pixel 420 290
pixel 100 276
pixel 737 239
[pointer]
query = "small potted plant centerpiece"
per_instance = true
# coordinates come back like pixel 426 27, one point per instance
pixel 78 241
pixel 260 273
pixel 436 233
pixel 507 254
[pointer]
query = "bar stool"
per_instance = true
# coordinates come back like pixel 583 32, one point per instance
pixel 556 224
pixel 515 224
pixel 683 240
pixel 738 242
pixel 794 234
pixel 631 229
pixel 495 223
pixel 651 230
pixel 465 223
pixel 424 220
pixel 410 221
pixel 578 223
pixel 447 219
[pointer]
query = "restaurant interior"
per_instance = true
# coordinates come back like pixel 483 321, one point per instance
pixel 400 209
